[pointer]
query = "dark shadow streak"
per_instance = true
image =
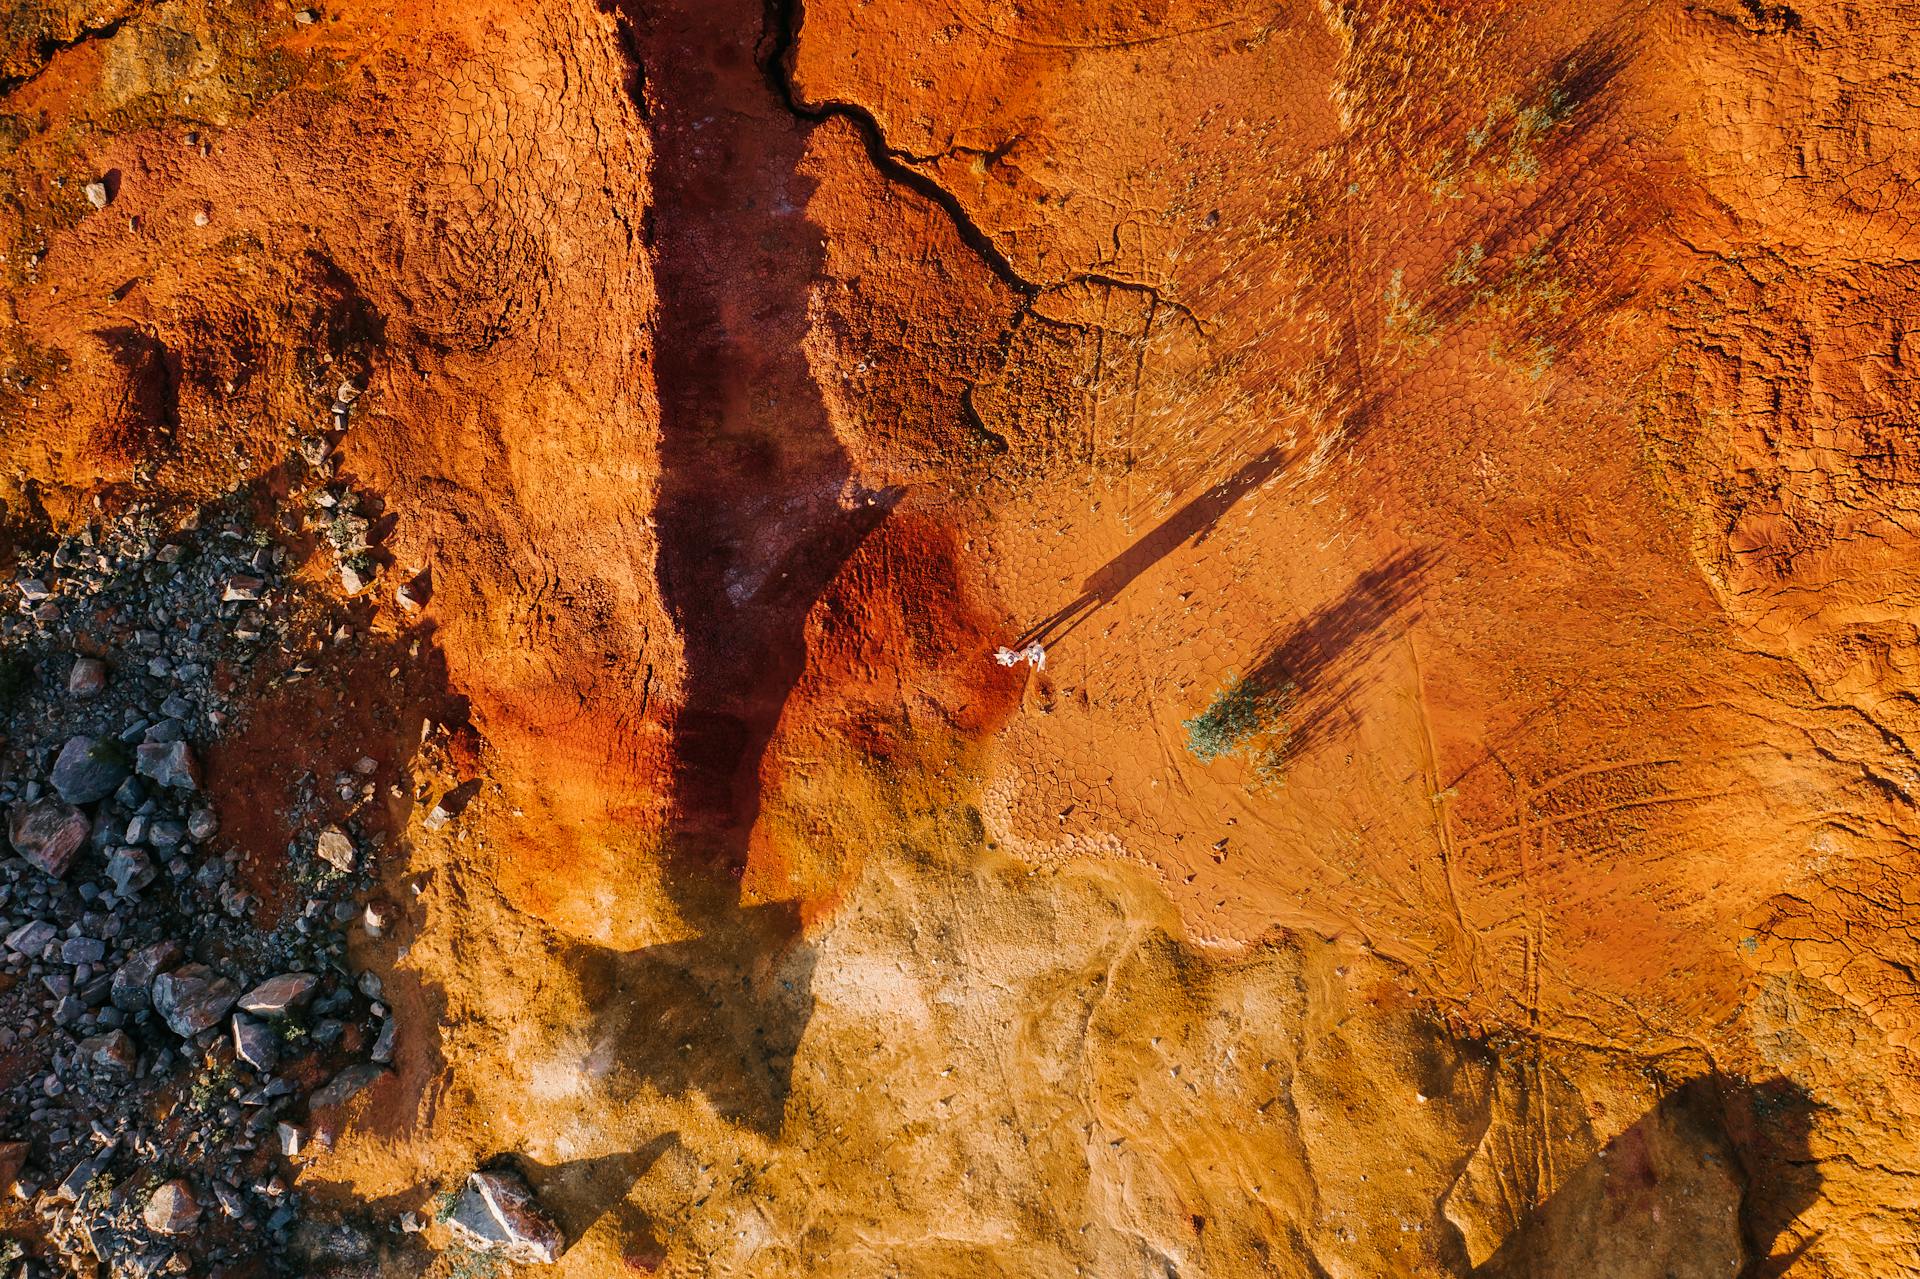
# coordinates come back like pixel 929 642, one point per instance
pixel 757 511
pixel 1318 664
pixel 1644 1204
pixel 1192 523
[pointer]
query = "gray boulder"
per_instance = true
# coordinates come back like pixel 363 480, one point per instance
pixel 49 834
pixel 172 1209
pixel 31 938
pixel 345 1086
pixel 277 996
pixel 192 998
pixel 113 1052
pixel 254 1043
pixel 88 769
pixel 496 1214
pixel 130 870
pixel 132 987
pixel 169 764
pixel 87 677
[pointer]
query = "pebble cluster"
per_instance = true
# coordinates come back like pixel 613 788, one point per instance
pixel 166 1045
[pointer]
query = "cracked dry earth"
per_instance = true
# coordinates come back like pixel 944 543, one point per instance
pixel 956 638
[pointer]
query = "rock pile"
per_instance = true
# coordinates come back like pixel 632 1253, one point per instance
pixel 168 1036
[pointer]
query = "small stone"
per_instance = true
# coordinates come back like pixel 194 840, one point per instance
pixel 33 589
pixel 293 1139
pixel 241 587
pixel 75 1183
pixel 87 770
pixel 383 1042
pixel 172 1209
pixel 334 848
pixel 165 732
pixel 231 1202
pixel 345 1086
pixel 130 870
pixel 353 581
pixel 255 1044
pixel 277 996
pixel 378 917
pixel 113 1052
pixel 97 194
pixel 409 597
pixel 82 950
pixel 496 1213
pixel 131 989
pixel 48 833
pixel 169 764
pixel 31 938
pixel 307 17
pixel 203 824
pixel 200 217
pixel 87 677
pixel 192 998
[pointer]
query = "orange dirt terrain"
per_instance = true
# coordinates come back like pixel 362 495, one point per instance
pixel 957 638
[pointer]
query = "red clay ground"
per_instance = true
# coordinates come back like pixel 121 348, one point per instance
pixel 1519 397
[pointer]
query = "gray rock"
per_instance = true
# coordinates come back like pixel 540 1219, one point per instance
pixel 87 678
pixel 165 731
pixel 82 950
pixel 255 1044
pixel 192 998
pixel 132 986
pixel 130 870
pixel 171 1209
pixel 169 764
pixel 75 1183
pixel 113 1051
pixel 345 1086
pixel 230 1199
pixel 87 770
pixel 241 587
pixel 33 589
pixel 279 995
pixel 383 1042
pixel 293 1139
pixel 48 833
pixel 377 918
pixel 335 848
pixel 496 1213
pixel 31 938
pixel 202 824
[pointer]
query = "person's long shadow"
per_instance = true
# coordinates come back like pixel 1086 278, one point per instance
pixel 1656 1199
pixel 756 513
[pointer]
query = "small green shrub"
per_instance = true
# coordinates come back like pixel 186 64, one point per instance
pixel 1248 719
